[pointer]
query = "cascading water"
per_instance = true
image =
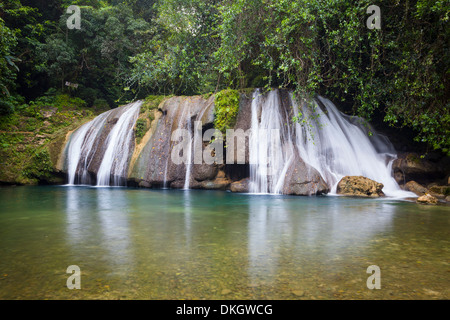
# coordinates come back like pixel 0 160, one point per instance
pixel 114 165
pixel 338 145
pixel 334 144
pixel 89 150
pixel 186 118
pixel 81 149
pixel 271 147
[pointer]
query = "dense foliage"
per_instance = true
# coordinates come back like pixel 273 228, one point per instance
pixel 129 49
pixel 226 107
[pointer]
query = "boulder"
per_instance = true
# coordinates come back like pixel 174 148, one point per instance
pixel 179 184
pixel 427 199
pixel 241 186
pixel 207 118
pixel 204 171
pixel 439 192
pixel 217 184
pixel 410 166
pixel 302 179
pixel 144 184
pixel 359 186
pixel 221 182
pixel 416 188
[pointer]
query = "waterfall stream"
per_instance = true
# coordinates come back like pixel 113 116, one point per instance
pixel 335 144
pixel 114 164
pixel 89 140
pixel 271 146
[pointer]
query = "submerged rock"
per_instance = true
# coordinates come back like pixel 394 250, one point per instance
pixel 427 199
pixel 359 186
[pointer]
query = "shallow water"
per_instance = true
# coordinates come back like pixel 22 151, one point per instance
pixel 169 244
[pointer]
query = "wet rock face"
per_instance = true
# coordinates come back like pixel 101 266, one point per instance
pixel 154 163
pixel 359 186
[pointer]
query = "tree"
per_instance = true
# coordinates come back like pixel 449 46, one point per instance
pixel 399 72
pixel 95 56
pixel 179 57
pixel 8 67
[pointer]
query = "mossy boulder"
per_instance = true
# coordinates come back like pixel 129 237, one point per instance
pixel 359 186
pixel 427 199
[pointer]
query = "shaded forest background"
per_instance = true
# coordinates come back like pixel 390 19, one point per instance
pixel 130 49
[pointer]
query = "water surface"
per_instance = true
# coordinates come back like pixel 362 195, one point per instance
pixel 168 244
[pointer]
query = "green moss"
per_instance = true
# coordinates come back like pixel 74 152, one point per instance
pixel 151 116
pixel 441 190
pixel 413 158
pixel 140 129
pixel 28 151
pixel 206 96
pixel 226 108
pixel 247 91
pixel 152 102
pixel 59 101
pixel 40 167
pixel 101 104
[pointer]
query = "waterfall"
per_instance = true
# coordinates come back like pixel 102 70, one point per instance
pixel 294 148
pixel 102 147
pixel 338 145
pixel 334 144
pixel 271 146
pixel 115 161
pixel 80 147
pixel 186 121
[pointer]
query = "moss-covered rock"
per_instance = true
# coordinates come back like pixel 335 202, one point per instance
pixel 152 102
pixel 359 186
pixel 427 199
pixel 226 109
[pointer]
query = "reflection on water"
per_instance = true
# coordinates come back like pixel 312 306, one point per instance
pixel 269 228
pixel 168 244
pixel 330 232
